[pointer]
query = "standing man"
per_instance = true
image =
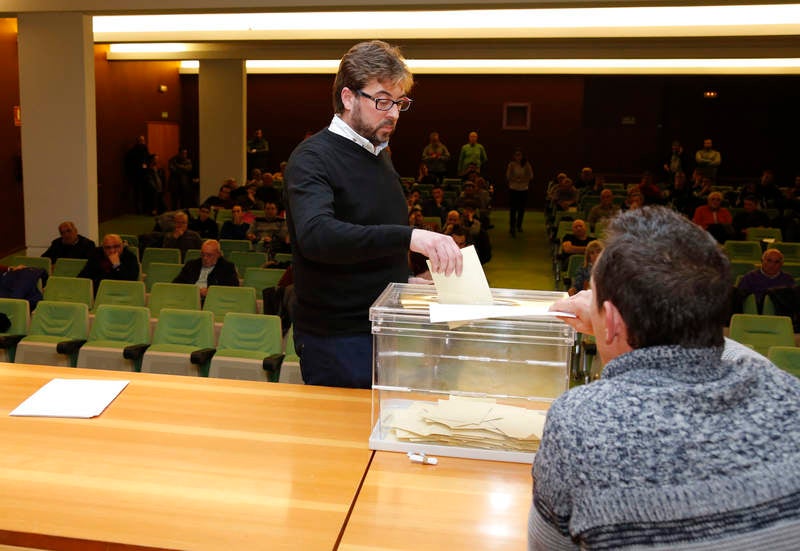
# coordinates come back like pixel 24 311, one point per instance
pixel 435 156
pixel 708 160
pixel 687 441
pixel 472 153
pixel 348 219
pixel 70 245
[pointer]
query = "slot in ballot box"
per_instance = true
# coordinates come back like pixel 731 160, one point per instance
pixel 477 389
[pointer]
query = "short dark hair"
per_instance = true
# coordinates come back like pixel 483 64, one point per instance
pixel 374 59
pixel 668 278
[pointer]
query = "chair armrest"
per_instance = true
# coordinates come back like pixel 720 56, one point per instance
pixel 70 347
pixel 7 341
pixel 273 363
pixel 134 351
pixel 202 356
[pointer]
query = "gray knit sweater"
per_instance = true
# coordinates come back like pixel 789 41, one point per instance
pixel 673 448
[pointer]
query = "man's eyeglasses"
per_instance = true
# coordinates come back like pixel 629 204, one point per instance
pixel 385 104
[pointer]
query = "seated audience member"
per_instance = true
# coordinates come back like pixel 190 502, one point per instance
pixel 413 199
pixel 452 220
pixel 267 192
pixel 222 200
pixel 436 205
pixel 651 193
pixel 111 261
pixel 564 195
pixel 681 194
pixel 584 273
pixel 210 269
pixel 470 220
pixel 714 218
pixel 750 217
pixel 70 245
pixel 182 237
pixel 769 276
pixel 236 228
pixel 634 199
pixel 688 440
pixel 424 177
pixel 575 242
pixel 204 225
pixel 269 233
pixel 603 210
pixel 249 201
pixel 255 177
pixel 585 179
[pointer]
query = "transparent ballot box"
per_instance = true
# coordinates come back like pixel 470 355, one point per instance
pixel 477 389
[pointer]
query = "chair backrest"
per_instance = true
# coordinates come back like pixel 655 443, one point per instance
pixel 185 296
pixel 575 262
pixel 230 245
pixel 757 234
pixel 69 289
pixel 743 250
pixel 288 346
pixel 792 268
pixel 222 299
pixel 191 254
pixel 160 272
pixel 135 250
pixel 283 257
pixel 32 262
pixel 791 251
pixel 786 357
pixel 18 312
pixel 761 332
pixel 253 332
pixel 185 327
pixel 223 215
pixel 244 260
pixel 156 254
pixel 261 278
pixel 69 320
pixel 68 267
pixel 122 292
pixel 741 267
pixel 130 239
pixel 118 323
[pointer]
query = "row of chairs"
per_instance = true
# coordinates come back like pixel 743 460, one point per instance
pixel 772 336
pixel 249 346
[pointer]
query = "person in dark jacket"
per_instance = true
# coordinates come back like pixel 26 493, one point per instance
pixel 210 269
pixel 111 261
pixel 70 245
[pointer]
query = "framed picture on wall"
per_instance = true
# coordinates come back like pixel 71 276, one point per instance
pixel 516 116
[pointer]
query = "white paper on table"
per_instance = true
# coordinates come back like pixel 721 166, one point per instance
pixel 79 398
pixel 471 287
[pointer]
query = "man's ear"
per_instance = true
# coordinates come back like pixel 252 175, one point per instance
pixel 612 319
pixel 348 98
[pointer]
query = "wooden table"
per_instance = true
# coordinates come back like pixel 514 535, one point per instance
pixel 182 463
pixel 460 504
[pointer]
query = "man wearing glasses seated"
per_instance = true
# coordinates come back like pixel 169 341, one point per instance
pixel 348 219
pixel 111 261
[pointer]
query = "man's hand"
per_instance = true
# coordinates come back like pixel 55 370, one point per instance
pixel 203 291
pixel 579 304
pixel 113 257
pixel 444 254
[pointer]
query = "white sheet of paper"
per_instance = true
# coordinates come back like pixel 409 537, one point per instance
pixel 471 287
pixel 79 398
pixel 464 312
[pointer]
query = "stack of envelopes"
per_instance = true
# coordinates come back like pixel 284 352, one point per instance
pixel 467 422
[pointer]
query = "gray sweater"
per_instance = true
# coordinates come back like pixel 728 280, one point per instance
pixel 673 448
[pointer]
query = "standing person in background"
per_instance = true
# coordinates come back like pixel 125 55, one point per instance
pixel 136 160
pixel 180 180
pixel 519 174
pixel 677 162
pixel 472 153
pixel 708 160
pixel 348 219
pixel 435 156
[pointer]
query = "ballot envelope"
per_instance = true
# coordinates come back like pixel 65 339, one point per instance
pixel 477 388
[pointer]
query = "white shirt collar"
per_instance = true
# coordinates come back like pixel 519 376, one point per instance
pixel 338 126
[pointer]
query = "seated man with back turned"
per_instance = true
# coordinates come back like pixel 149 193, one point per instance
pixel 210 269
pixel 680 444
pixel 70 245
pixel 111 261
